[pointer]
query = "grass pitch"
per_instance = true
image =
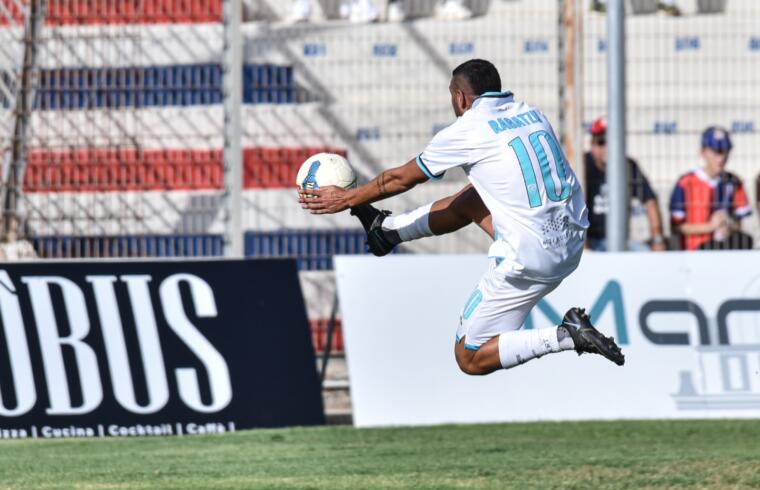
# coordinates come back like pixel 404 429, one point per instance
pixel 685 454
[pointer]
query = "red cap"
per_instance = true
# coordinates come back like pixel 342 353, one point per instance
pixel 599 126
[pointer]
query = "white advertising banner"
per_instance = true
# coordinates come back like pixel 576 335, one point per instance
pixel 688 323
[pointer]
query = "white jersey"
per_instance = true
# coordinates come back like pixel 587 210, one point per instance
pixel 511 155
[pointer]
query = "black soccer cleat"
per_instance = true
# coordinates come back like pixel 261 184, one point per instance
pixel 380 242
pixel 588 339
pixel 367 214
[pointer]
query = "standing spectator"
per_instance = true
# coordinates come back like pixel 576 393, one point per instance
pixel 708 204
pixel 597 198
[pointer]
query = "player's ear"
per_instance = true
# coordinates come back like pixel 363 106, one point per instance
pixel 461 100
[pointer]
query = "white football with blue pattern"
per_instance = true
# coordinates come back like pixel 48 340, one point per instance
pixel 324 169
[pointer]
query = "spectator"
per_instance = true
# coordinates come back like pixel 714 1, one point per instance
pixel 708 204
pixel 597 198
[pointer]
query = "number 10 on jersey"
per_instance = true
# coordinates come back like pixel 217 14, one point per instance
pixel 547 172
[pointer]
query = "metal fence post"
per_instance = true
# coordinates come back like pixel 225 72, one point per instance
pixel 233 153
pixel 617 226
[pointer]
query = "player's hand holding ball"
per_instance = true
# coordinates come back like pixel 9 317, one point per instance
pixel 322 182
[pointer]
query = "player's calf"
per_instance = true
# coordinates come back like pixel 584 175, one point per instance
pixel 485 360
pixel 513 348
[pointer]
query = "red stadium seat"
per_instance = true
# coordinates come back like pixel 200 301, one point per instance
pixel 129 169
pixel 319 335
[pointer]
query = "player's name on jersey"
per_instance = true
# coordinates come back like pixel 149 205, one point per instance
pixel 524 119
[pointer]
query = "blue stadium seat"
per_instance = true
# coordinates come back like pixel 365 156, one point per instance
pixel 129 246
pixel 312 249
pixel 151 86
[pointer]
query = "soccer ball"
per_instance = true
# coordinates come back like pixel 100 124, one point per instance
pixel 325 169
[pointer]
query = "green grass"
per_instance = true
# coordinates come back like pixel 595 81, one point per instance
pixel 685 454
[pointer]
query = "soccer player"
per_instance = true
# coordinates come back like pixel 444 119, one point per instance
pixel 522 193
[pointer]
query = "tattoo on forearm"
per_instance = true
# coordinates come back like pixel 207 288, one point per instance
pixel 381 184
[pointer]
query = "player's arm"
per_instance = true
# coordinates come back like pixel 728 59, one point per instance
pixel 329 200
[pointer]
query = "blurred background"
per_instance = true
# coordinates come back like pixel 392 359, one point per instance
pixel 121 136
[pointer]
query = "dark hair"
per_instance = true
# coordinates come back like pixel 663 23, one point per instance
pixel 481 75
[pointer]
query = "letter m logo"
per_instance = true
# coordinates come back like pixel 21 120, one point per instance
pixel 611 294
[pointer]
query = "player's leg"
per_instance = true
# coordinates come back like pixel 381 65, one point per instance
pixel 443 216
pixel 452 213
pixel 490 335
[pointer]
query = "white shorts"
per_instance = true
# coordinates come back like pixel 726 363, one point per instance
pixel 499 304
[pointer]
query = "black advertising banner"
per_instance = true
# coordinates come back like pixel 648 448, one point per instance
pixel 92 349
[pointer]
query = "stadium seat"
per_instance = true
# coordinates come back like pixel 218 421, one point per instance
pixel 84 12
pixel 129 246
pixel 125 169
pixel 319 328
pixel 312 249
pixel 149 86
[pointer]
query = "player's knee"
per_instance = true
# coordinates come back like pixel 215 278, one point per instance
pixel 470 365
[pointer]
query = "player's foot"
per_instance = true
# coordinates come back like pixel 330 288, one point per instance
pixel 380 242
pixel 588 339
